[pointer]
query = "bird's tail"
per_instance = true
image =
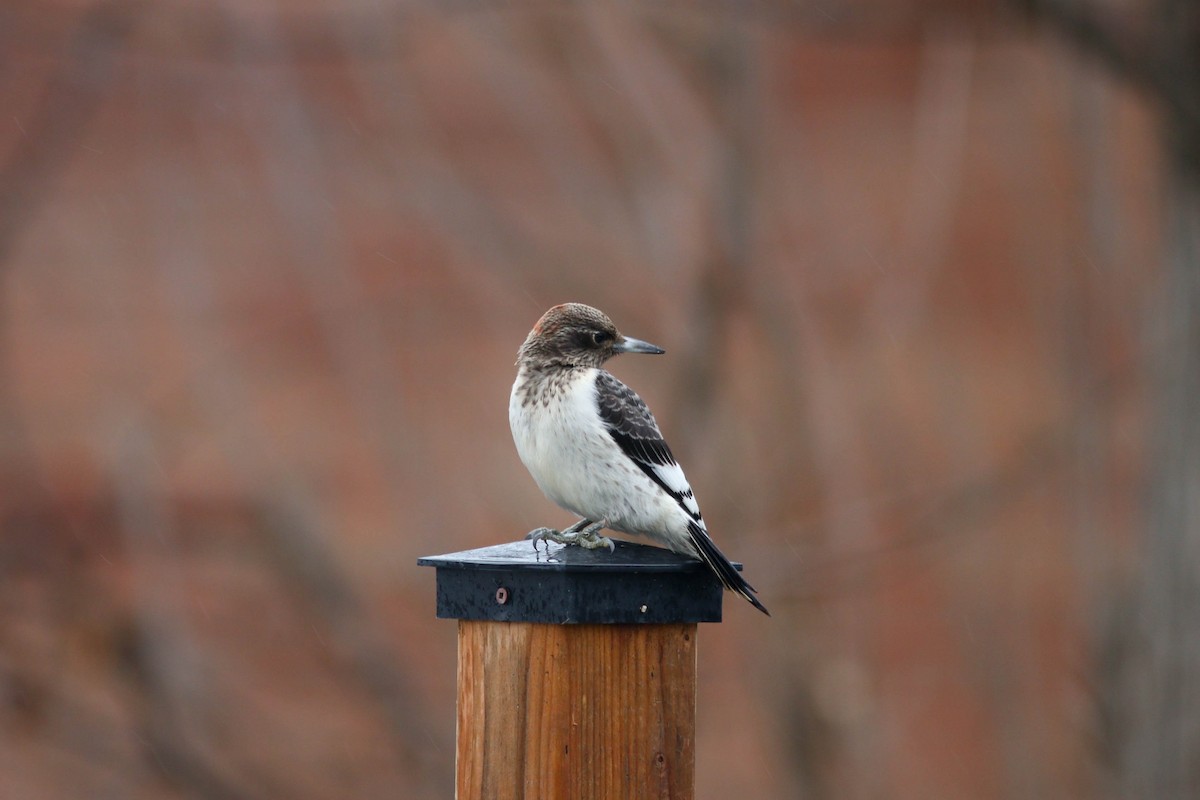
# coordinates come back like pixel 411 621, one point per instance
pixel 707 549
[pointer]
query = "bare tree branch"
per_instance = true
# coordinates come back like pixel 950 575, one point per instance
pixel 71 97
pixel 1132 52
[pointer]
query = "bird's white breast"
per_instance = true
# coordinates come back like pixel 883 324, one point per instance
pixel 563 443
pixel 557 432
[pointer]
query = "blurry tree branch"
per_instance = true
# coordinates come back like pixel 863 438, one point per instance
pixel 1154 50
pixel 722 284
pixel 162 660
pixel 1152 657
pixel 71 97
pixel 287 515
pixel 1160 749
pixel 299 548
pixel 49 137
pixel 200 30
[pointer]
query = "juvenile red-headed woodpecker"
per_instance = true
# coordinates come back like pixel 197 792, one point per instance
pixel 594 448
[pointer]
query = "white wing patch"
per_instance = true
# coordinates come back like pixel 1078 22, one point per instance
pixel 633 428
pixel 671 477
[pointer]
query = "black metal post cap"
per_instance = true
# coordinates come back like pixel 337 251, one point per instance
pixel 560 584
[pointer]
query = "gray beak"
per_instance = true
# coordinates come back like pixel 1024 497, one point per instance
pixel 631 345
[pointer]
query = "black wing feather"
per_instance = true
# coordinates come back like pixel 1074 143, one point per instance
pixel 633 428
pixel 711 555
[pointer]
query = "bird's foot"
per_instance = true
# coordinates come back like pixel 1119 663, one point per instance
pixel 546 535
pixel 591 539
pixel 584 533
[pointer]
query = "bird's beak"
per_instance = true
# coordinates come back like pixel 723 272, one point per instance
pixel 630 345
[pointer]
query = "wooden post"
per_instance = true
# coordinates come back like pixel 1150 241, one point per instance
pixel 576 670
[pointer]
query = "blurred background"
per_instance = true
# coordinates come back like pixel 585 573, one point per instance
pixel 927 275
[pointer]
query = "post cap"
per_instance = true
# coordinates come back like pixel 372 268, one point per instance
pixel 563 584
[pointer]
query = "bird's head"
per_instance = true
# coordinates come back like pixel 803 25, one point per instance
pixel 575 335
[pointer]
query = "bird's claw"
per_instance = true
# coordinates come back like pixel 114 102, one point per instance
pixel 546 535
pixel 595 542
pixel 598 542
pixel 584 533
pixel 591 539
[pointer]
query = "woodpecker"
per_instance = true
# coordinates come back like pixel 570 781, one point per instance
pixel 594 448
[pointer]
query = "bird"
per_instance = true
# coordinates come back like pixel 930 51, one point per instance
pixel 594 448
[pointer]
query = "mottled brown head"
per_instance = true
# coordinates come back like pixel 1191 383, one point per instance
pixel 575 335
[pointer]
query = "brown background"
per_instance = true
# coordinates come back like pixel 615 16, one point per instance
pixel 264 268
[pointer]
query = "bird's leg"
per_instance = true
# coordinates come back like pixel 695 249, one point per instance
pixel 577 527
pixel 567 536
pixel 591 539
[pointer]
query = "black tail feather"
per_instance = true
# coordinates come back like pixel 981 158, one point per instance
pixel 707 549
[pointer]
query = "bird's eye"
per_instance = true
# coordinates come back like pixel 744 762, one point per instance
pixel 600 337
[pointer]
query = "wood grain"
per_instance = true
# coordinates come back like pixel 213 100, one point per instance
pixel 575 712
